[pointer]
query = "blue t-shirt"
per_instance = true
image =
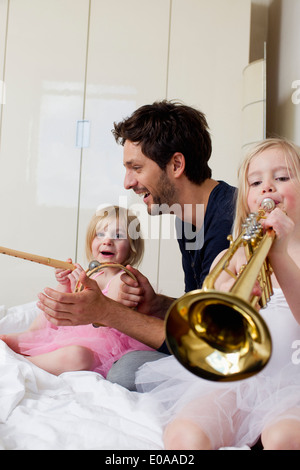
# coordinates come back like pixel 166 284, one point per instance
pixel 200 249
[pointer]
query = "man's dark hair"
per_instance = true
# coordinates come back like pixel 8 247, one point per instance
pixel 164 128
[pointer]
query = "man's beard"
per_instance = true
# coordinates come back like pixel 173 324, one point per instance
pixel 166 195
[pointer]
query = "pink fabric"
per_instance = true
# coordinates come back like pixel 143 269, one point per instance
pixel 107 344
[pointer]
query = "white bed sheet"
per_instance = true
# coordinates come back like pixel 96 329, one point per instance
pixel 77 410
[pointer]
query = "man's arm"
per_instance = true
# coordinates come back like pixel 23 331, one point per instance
pixel 91 306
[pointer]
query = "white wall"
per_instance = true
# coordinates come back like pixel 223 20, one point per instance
pixel 3 29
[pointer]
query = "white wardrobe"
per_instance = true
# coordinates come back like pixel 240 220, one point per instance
pixel 70 68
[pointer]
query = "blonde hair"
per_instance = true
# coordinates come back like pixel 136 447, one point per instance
pixel 292 156
pixel 127 220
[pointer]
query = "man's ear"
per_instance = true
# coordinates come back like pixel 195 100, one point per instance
pixel 177 164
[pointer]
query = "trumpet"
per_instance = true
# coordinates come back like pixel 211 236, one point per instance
pixel 220 336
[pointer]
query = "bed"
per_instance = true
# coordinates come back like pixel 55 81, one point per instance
pixel 77 410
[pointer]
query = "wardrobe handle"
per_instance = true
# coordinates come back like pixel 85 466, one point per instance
pixel 83 134
pixel 2 92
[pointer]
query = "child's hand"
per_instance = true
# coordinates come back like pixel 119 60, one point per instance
pixel 74 276
pixel 283 227
pixel 62 275
pixel 67 278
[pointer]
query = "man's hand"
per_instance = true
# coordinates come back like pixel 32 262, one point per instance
pixel 81 308
pixel 91 306
pixel 137 294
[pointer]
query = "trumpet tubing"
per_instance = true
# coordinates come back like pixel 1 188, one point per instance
pixel 218 335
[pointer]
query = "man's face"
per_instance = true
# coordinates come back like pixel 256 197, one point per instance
pixel 147 179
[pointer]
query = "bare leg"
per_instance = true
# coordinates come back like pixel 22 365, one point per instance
pixel 12 340
pixel 38 323
pixel 67 359
pixel 282 435
pixel 201 426
pixel 183 434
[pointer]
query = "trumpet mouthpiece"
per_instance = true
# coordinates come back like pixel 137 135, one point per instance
pixel 267 204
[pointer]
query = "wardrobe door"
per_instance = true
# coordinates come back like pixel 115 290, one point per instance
pixel 206 70
pixel 40 163
pixel 209 49
pixel 127 68
pixel 3 21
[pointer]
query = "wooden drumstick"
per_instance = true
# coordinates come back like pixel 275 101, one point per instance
pixel 54 263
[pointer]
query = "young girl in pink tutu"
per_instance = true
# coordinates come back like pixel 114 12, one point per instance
pixel 199 414
pixel 72 348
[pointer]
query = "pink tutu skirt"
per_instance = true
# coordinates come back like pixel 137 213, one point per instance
pixel 107 344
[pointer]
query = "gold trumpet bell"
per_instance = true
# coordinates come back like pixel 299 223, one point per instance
pixel 218 336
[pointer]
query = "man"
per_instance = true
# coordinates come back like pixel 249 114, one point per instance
pixel 167 147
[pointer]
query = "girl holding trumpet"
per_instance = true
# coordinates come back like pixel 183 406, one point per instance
pixel 199 414
pixel 61 349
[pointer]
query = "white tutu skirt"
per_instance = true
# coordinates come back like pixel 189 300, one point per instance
pixel 232 413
